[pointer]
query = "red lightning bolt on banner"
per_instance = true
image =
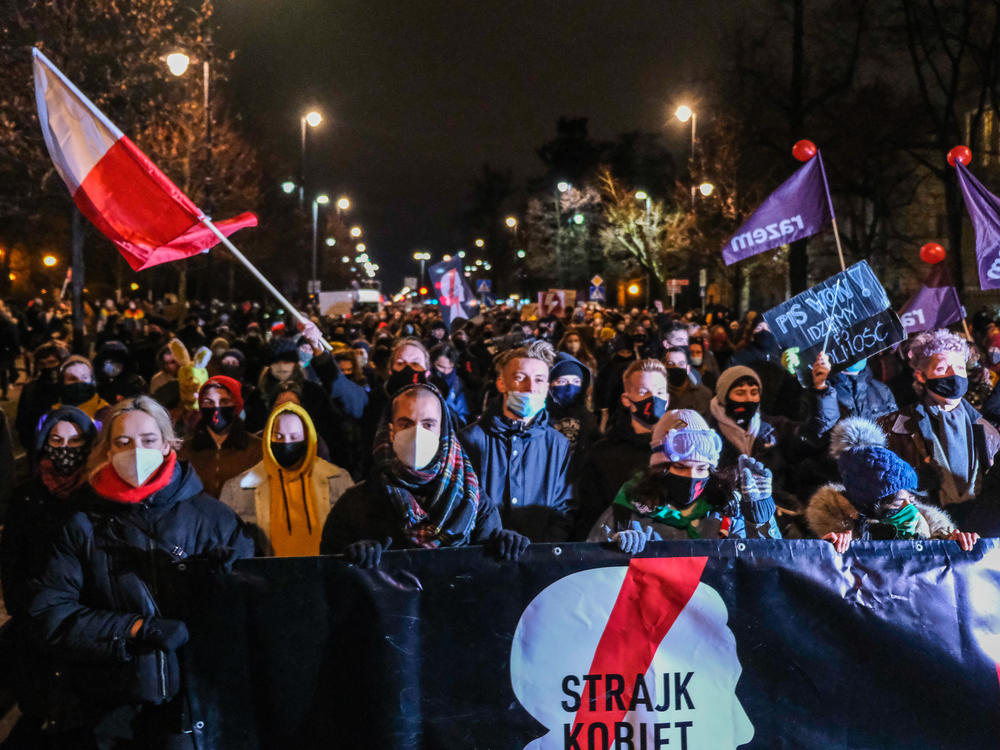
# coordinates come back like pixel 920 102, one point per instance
pixel 653 594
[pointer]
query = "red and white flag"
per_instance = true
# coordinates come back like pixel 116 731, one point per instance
pixel 114 184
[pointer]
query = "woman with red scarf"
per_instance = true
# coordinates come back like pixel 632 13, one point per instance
pixel 37 511
pixel 100 604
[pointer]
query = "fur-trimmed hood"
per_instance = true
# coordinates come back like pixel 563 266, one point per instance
pixel 830 510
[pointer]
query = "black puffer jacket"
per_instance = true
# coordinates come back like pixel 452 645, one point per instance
pixel 107 568
pixel 851 396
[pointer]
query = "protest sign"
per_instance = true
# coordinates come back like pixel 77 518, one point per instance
pixel 848 316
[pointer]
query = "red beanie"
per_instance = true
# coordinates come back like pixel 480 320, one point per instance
pixel 231 385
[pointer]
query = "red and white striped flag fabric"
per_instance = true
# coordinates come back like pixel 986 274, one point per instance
pixel 114 184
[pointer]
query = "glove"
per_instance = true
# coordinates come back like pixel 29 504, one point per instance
pixel 162 634
pixel 509 544
pixel 790 359
pixel 367 553
pixel 632 541
pixel 755 479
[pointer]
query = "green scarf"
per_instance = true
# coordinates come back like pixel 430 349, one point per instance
pixel 665 514
pixel 904 521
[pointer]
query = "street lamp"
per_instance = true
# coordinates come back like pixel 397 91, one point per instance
pixel 288 187
pixel 177 63
pixel 521 254
pixel 562 186
pixel 331 241
pixel 343 203
pixel 361 247
pixel 480 242
pixel 345 259
pixel 320 200
pixel 685 113
pixel 633 289
pixel 578 219
pixel 49 260
pixel 312 119
pixel 511 222
pixel 706 188
pixel 355 232
pixel 423 257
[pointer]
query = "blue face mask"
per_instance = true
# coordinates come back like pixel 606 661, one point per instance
pixel 856 367
pixel 565 395
pixel 525 405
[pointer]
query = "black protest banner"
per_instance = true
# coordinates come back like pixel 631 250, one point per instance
pixel 701 644
pixel 848 314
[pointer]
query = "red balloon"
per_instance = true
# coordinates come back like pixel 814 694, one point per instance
pixel 932 252
pixel 960 153
pixel 804 150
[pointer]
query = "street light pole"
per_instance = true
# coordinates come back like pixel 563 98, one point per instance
pixel 319 200
pixel 312 119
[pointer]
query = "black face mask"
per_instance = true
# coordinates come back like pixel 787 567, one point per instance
pixel 288 454
pixel 950 386
pixel 406 376
pixel 65 459
pixel 218 418
pixel 741 412
pixel 677 376
pixel 682 491
pixel 649 410
pixel 74 394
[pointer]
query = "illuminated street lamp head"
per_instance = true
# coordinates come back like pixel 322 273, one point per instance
pixel 419 255
pixel 361 247
pixel 288 187
pixel 683 113
pixel 446 258
pixel 706 188
pixel 521 254
pixel 313 118
pixel 177 63
pixel 461 253
pixel 563 186
pixel 480 242
pixel 355 232
pixel 322 199
pixel 134 286
pixel 511 221
pixel 578 219
pixel 633 289
pixel 331 241
pixel 343 203
pixel 641 195
pixel 345 259
pixel 49 260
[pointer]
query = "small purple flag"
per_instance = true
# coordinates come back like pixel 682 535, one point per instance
pixel 935 305
pixel 984 210
pixel 799 208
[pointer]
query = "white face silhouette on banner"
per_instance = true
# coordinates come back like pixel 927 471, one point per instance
pixel 685 691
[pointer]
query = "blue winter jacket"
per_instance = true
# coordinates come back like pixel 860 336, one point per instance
pixel 524 469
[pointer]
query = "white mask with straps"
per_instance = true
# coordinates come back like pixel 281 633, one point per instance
pixel 415 446
pixel 137 465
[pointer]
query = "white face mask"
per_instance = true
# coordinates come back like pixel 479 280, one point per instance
pixel 137 465
pixel 415 446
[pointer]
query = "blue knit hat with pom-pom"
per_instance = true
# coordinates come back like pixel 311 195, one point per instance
pixel 870 471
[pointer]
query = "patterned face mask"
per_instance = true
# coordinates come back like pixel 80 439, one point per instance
pixel 65 459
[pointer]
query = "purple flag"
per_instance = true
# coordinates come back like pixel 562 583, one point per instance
pixel 935 305
pixel 984 210
pixel 799 208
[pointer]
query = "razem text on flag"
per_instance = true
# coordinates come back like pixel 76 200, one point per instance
pixel 799 208
pixel 935 304
pixel 114 184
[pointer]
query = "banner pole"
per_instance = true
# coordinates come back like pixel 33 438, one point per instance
pixel 833 216
pixel 830 313
pixel 260 277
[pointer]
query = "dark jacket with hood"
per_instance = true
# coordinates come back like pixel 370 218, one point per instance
pixel 847 395
pixel 610 462
pixel 575 421
pixel 128 383
pixel 524 469
pixel 108 568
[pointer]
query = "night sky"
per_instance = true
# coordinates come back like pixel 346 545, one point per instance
pixel 417 95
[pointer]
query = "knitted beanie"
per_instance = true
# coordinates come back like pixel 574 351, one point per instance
pixel 729 376
pixel 869 471
pixel 684 435
pixel 231 386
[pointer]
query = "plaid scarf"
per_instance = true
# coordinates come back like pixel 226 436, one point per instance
pixel 437 504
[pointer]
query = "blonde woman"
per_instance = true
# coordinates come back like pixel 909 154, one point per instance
pixel 98 604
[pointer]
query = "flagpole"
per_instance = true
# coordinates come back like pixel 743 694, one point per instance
pixel 833 216
pixel 260 277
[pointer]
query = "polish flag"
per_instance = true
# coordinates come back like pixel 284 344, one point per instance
pixel 114 184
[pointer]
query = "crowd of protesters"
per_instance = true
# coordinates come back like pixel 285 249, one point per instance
pixel 221 432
